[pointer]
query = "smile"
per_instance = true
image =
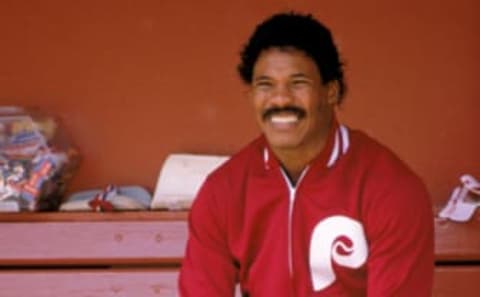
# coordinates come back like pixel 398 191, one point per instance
pixel 284 115
pixel 284 119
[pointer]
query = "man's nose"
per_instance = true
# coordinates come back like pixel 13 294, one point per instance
pixel 281 96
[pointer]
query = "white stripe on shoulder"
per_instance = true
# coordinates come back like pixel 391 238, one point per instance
pixel 266 159
pixel 345 138
pixel 335 151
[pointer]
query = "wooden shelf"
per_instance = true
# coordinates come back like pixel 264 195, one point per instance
pixel 94 216
pixel 87 238
pixel 79 253
pixel 454 242
pixel 457 242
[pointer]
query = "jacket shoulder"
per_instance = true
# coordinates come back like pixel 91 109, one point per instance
pixel 239 163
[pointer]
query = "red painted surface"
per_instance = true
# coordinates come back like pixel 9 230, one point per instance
pixel 92 243
pixel 121 257
pixel 449 281
pixel 93 283
pixel 151 238
pixel 135 81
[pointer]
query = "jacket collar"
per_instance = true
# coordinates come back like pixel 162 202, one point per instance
pixel 337 145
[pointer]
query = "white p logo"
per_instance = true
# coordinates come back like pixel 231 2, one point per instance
pixel 338 238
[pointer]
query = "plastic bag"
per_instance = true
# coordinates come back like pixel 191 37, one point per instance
pixel 36 160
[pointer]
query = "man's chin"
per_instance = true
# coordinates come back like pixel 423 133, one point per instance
pixel 282 143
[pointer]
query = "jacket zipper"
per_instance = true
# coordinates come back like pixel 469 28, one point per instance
pixel 292 194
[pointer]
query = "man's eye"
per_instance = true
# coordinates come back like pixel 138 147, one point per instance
pixel 299 82
pixel 263 85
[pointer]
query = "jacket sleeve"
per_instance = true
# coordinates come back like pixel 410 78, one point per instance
pixel 400 235
pixel 208 268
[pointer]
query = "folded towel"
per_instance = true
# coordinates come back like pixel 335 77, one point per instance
pixel 180 179
pixel 110 199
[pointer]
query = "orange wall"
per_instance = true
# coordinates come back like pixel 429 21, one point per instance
pixel 133 81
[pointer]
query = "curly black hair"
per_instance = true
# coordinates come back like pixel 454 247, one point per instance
pixel 299 31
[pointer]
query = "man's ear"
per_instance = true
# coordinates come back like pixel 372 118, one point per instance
pixel 333 92
pixel 249 91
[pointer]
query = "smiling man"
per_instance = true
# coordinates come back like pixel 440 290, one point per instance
pixel 294 108
pixel 311 207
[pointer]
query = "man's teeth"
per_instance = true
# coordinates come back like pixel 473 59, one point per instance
pixel 284 119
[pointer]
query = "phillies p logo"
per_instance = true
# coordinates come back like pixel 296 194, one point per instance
pixel 339 239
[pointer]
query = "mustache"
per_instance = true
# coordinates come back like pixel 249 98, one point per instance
pixel 286 109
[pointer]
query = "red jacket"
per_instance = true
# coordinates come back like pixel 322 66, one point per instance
pixel 358 223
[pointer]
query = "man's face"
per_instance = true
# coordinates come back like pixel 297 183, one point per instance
pixel 293 107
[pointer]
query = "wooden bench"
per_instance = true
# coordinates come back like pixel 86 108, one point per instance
pixel 139 254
